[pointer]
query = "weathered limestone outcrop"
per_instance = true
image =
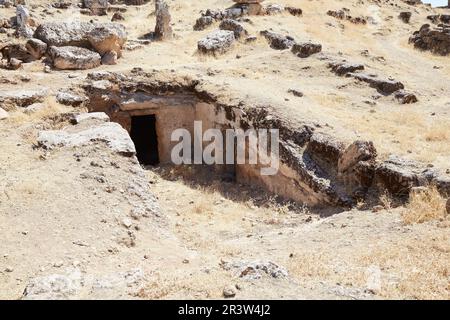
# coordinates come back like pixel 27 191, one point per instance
pixel 306 49
pixel 10 100
pixel 112 134
pixel 315 168
pixel 436 40
pixel 384 86
pixel 74 58
pixel 105 38
pixel 344 14
pixel 342 68
pixel 278 41
pixel 70 99
pixel 83 34
pixel 236 27
pixel 217 42
pixel 398 175
pixel 81 38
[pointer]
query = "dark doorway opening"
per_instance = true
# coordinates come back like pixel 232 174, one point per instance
pixel 143 134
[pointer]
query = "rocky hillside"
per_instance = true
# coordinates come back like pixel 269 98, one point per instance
pixel 359 90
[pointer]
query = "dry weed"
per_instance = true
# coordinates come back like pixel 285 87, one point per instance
pixel 423 206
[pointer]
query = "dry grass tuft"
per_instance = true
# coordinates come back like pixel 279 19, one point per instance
pixel 424 206
pixel 51 108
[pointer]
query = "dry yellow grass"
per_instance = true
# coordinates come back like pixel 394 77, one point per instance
pixel 424 206
pixel 410 268
pixel 51 108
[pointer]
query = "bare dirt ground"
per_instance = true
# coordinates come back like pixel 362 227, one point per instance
pixel 65 213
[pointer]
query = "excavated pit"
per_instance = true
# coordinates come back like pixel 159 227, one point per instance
pixel 314 168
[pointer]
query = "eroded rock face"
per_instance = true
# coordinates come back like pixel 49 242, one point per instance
pixel 217 42
pixel 325 149
pixel 324 169
pixel 399 175
pixel 74 58
pixel 436 40
pixel 356 167
pixel 163 29
pixel 344 14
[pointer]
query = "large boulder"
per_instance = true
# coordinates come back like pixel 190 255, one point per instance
pixel 102 37
pixel 74 58
pixel 217 42
pixel 436 40
pixel 342 68
pixel 108 37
